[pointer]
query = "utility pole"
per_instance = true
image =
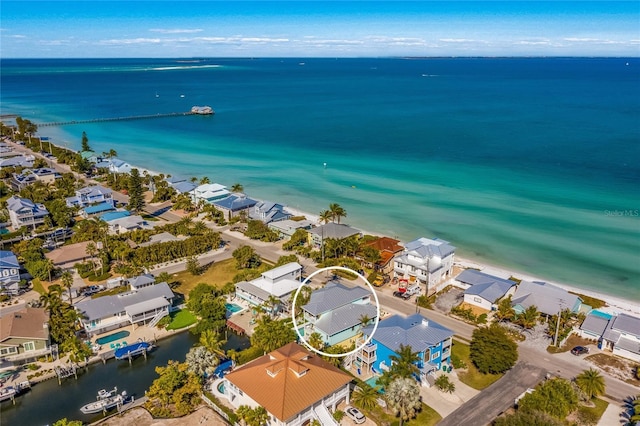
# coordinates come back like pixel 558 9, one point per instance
pixel 558 324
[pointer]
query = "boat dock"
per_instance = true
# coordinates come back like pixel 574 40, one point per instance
pixel 236 328
pixel 126 118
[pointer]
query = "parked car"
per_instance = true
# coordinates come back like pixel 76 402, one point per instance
pixel 402 295
pixel 355 415
pixel 413 289
pixel 580 350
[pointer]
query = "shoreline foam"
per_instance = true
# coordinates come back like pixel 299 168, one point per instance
pixel 614 303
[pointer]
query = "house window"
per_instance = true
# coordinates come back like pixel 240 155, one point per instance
pixel 435 355
pixel 29 346
pixel 6 351
pixel 477 300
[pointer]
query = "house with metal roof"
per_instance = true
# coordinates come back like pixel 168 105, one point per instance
pixel 622 336
pixel 294 385
pixel 336 312
pixel 24 212
pixel 278 282
pixel 547 298
pixel 91 195
pixel 128 223
pixel 484 290
pixel 24 335
pixel 429 262
pixel 234 204
pixel 184 187
pixel 268 212
pixel 594 325
pixel 44 174
pixel 210 192
pixel 97 209
pixel 335 231
pixel 9 272
pixel 18 161
pixel 426 337
pixel 288 227
pixel 141 281
pixel 143 305
pixel 109 216
pixel 118 166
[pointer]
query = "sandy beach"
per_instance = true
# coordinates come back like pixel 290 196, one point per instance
pixel 615 304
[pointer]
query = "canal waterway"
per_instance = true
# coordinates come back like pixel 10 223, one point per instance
pixel 48 402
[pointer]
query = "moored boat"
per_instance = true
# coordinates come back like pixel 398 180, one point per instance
pixel 105 401
pixel 129 351
pixel 202 110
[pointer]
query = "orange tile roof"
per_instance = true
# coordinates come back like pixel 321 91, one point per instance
pixel 278 382
pixel 28 322
pixel 386 244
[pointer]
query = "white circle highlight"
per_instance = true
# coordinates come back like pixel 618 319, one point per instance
pixel 306 282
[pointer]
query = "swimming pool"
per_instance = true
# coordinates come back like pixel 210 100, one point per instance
pixel 601 314
pixel 221 387
pixel 112 337
pixel 232 307
pixel 372 382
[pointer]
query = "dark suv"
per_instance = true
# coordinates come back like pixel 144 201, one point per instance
pixel 402 295
pixel 580 350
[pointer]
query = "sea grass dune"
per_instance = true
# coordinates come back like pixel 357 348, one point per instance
pixel 525 164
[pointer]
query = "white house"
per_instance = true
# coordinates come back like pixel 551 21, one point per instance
pixel 427 261
pixel 547 298
pixel 91 195
pixel 622 336
pixel 210 192
pixel 24 212
pixel 19 161
pixel 9 272
pixel 119 166
pixel 484 290
pixel 294 385
pixel 267 212
pixel 106 313
pixel 334 231
pixel 128 223
pixel 286 228
pixel 278 282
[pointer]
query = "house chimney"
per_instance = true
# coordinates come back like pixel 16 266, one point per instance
pixel 425 322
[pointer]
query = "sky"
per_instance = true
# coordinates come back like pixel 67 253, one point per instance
pixel 124 29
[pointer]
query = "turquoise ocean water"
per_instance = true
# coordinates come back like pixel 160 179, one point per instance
pixel 530 163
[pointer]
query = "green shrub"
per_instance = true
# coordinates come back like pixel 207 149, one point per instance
pixel 338 415
pixel 443 383
pixel 482 319
pixel 249 354
pixel 456 361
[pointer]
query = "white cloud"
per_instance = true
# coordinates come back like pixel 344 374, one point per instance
pixel 129 41
pixel 176 30
pixel 461 40
pixel 18 36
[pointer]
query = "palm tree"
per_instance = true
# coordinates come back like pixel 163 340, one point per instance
pixel 237 187
pixel 67 282
pixel 271 304
pixel 365 397
pixel 205 180
pixel 404 363
pixel 591 383
pixel 505 311
pixel 529 317
pixel 365 320
pixel 92 250
pixel 403 397
pixel 315 340
pixel 244 413
pixel 325 216
pixel 337 211
pixel 200 361
pixel 212 341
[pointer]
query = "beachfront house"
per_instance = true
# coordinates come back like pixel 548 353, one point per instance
pixel 25 161
pixel 141 281
pixel 335 231
pixel 547 298
pixel 119 166
pixel 286 228
pixel 90 195
pixel 235 204
pixel 268 212
pixel 24 335
pixel 24 212
pixel 185 187
pixel 484 290
pixel 430 340
pixel 143 305
pixel 428 262
pixel 388 249
pixel 210 192
pixel 163 237
pixel 9 272
pixel 619 334
pixel 336 312
pixel 294 385
pixel 276 283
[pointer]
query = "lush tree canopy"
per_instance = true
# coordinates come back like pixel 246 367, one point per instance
pixel 272 334
pixel 493 350
pixel 555 397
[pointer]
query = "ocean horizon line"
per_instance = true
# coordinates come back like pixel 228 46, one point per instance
pixel 327 57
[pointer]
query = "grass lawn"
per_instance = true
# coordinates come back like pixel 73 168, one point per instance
pixel 182 318
pixel 427 417
pixel 472 376
pixel 37 285
pixel 571 343
pixel 218 274
pixel 593 412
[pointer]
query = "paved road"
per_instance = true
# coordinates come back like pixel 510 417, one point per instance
pixel 488 404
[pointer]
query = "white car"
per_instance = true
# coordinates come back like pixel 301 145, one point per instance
pixel 355 415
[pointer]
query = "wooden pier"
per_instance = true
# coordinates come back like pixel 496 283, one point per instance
pixel 127 118
pixel 66 371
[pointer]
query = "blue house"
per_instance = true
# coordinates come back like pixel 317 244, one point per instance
pixel 335 312
pixel 234 204
pixel 429 339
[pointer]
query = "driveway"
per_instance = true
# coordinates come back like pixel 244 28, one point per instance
pixel 488 404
